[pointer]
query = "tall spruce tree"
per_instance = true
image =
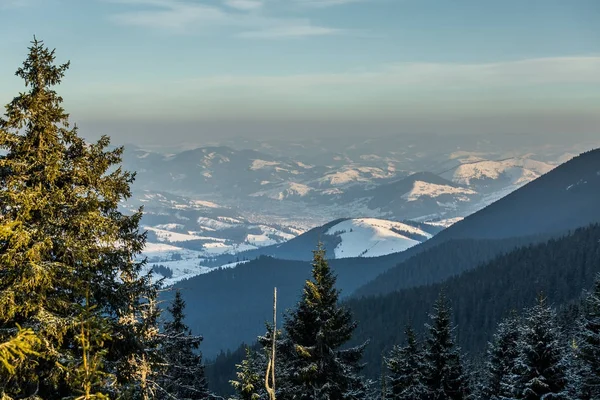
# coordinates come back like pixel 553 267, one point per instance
pixel 62 235
pixel 184 376
pixel 405 365
pixel 443 369
pixel 501 357
pixel 541 367
pixel 313 364
pixel 588 346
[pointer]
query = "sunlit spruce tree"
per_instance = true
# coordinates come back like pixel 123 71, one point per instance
pixel 67 247
pixel 313 364
pixel 250 379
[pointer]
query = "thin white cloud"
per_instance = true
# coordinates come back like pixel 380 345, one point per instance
pixel 6 4
pixel 245 5
pixel 290 31
pixel 244 17
pixel 520 73
pixel 326 3
pixel 566 80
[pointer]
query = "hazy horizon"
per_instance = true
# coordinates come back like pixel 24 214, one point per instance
pixel 154 72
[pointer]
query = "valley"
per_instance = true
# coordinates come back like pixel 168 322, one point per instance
pixel 219 205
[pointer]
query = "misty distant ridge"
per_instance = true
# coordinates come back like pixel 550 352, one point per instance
pixel 219 206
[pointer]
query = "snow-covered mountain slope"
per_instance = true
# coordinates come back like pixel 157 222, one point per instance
pixel 513 171
pixel 353 174
pixel 420 195
pixel 370 237
pixel 432 190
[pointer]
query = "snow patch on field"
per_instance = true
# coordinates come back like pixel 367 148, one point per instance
pixel 444 222
pixel 260 164
pixel 169 236
pixel 213 224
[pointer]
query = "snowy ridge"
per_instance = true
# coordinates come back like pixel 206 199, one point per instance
pixel 349 175
pixel 291 189
pixel 428 189
pixel 371 237
pixel 518 170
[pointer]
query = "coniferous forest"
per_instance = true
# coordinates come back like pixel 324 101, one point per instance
pixel 79 319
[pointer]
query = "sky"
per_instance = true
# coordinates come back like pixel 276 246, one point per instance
pixel 158 71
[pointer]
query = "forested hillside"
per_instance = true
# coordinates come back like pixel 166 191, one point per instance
pixel 441 262
pixel 234 303
pixel 559 268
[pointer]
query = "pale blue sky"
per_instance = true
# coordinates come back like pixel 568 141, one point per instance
pixel 530 66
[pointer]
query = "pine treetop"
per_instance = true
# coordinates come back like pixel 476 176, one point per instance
pixel 177 325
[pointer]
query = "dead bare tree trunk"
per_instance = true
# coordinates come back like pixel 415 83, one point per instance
pixel 270 386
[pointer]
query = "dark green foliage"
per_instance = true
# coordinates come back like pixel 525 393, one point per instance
pixel 313 363
pixel 444 376
pixel 237 301
pixel 588 345
pixel 222 369
pixel 561 268
pixel 406 368
pixel 62 233
pixel 441 262
pixel 184 374
pixel 162 270
pixel 501 357
pixel 540 370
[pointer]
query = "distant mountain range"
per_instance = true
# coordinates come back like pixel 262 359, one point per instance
pixel 393 186
pixel 216 205
pixel 565 198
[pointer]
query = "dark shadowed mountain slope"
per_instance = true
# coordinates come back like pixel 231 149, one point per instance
pixel 443 261
pixel 230 306
pixel 566 198
pixel 560 268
